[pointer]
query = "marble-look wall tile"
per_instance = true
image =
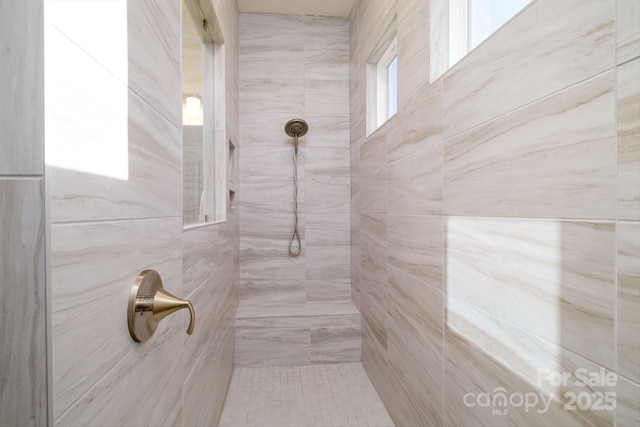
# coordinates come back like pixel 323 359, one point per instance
pixel 262 197
pixel 322 32
pixel 373 152
pixel 415 245
pixel 419 122
pixel 273 62
pixel 629 300
pixel 270 31
pixel 264 247
pixel 628 92
pixel 327 130
pixel 373 192
pixel 259 164
pixel 153 149
pixel 79 251
pixel 328 289
pixel 524 360
pixel 154 58
pixel 335 339
pixel 328 229
pixel 274 95
pixel 326 96
pixel 328 262
pixel 260 342
pixel 628 403
pixel 132 391
pixel 413 45
pixel 327 65
pixel 560 272
pixel 553 158
pixel 415 183
pixel 628 30
pixel 200 256
pixel 23 387
pixel 22 88
pixel 210 377
pixel 564 42
pixel 257 291
pixel 266 129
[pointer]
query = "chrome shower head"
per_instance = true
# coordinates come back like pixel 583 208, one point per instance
pixel 296 128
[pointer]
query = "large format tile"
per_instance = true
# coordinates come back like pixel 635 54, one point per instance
pixel 154 59
pixel 200 256
pixel 415 183
pixel 258 342
pixel 335 339
pixel 270 31
pixel 325 96
pixel 260 291
pixel 22 88
pixel 328 229
pixel 629 300
pixel 416 246
pixel 628 403
pixel 551 278
pixel 550 46
pixel 327 130
pixel 373 192
pixel 413 45
pixel 23 353
pixel 274 95
pixel 328 262
pixel 553 158
pixel 152 159
pixel 93 267
pixel 629 140
pixel 627 30
pixel 132 392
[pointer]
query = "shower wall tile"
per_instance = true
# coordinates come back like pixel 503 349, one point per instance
pixel 628 403
pixel 154 58
pixel 522 355
pixel 132 391
pixel 628 30
pixel 153 149
pixel 266 129
pixel 415 246
pixel 373 192
pixel 327 64
pixel 328 262
pixel 259 343
pixel 628 108
pixel 23 393
pixel 553 158
pixel 327 193
pixel 272 197
pixel 413 45
pixel 327 229
pixel 264 247
pixel 258 164
pixel 325 33
pixel 270 31
pixel 561 273
pixel 22 88
pixel 327 130
pixel 210 377
pixel 628 317
pixel 272 63
pixel 259 291
pixel 419 122
pixel 373 151
pixel 329 289
pixel 516 68
pixel 324 96
pixel 415 183
pixel 419 372
pixel 274 95
pixel 328 162
pixel 200 256
pixel 337 340
pixel 83 302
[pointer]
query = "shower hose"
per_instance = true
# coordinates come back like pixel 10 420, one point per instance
pixel 295 236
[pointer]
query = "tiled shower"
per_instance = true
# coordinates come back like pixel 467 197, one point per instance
pixel 483 240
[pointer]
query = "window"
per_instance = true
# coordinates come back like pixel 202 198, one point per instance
pixel 459 26
pixel 382 81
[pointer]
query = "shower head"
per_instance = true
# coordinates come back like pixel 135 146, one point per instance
pixel 296 128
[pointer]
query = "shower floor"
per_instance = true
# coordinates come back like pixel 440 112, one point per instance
pixel 303 396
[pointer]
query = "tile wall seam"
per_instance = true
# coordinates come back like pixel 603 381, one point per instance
pixel 425 147
pixel 538 218
pixel 616 209
pixel 446 138
pixel 115 221
pixel 413 276
pixel 28 177
pixel 534 334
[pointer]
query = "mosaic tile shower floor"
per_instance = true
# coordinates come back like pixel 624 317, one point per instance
pixel 303 396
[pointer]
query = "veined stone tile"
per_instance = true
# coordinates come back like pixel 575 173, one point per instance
pixel 550 46
pixel 22 88
pixel 551 278
pixel 629 299
pixel 627 30
pixel 628 403
pixel 553 159
pixel 327 130
pixel 23 353
pixel 628 92
pixel 328 289
pixel 373 192
pixel 328 262
pixel 325 96
pixel 328 229
pixel 274 95
pixel 84 301
pixel 415 183
pixel 257 291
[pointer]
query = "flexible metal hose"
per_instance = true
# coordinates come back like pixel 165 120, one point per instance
pixel 295 236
